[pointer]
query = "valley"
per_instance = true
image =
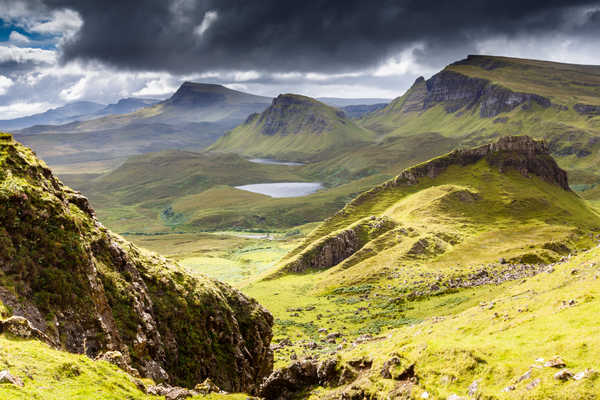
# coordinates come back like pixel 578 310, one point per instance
pixel 443 246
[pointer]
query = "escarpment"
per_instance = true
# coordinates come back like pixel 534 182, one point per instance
pixel 90 291
pixel 337 247
pixel 522 153
pixel 455 91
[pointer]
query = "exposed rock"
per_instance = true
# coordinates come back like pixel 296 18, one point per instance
pixel 21 327
pixel 473 388
pixel 102 294
pixel 117 358
pixel 563 375
pixel 170 392
pixel 333 249
pixel 521 153
pixel 7 377
pixel 283 383
pixel 587 109
pixel 455 91
pixel 207 387
pixel 556 362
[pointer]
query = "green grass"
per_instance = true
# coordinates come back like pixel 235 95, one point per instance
pixel 294 128
pixel 50 374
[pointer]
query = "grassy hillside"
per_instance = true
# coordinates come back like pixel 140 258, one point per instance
pixel 294 128
pixel 55 375
pixel 461 266
pixel 483 97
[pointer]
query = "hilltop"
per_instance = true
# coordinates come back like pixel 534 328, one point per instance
pixel 296 128
pixel 72 283
pixel 483 97
pixel 193 117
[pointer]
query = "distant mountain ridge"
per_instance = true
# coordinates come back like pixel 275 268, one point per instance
pixel 193 117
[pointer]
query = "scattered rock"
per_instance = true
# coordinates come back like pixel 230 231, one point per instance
pixel 284 382
pixel 425 395
pixel 7 377
pixel 473 388
pixel 117 358
pixel 525 376
pixel 563 375
pixel 207 387
pixel 533 384
pixel 170 392
pixel 509 388
pixel 584 374
pixel 361 363
pixel 556 362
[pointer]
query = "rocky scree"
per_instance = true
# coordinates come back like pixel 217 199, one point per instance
pixel 89 291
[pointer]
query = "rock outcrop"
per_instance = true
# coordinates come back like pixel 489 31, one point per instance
pixel 455 91
pixel 288 115
pixel 521 153
pixel 335 248
pixel 91 292
pixel 587 109
pixel 300 375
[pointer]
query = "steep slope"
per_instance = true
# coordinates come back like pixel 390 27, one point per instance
pixel 193 118
pixel 88 291
pixel 295 128
pixel 482 97
pixel 462 201
pixel 442 276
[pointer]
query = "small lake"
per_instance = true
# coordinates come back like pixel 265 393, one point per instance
pixel 283 189
pixel 273 162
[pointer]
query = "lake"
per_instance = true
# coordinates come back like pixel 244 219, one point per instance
pixel 273 162
pixel 283 189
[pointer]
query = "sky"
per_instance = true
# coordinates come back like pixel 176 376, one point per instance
pixel 57 51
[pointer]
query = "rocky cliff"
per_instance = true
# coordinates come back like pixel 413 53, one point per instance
pixel 90 291
pixel 309 116
pixel 521 153
pixel 455 91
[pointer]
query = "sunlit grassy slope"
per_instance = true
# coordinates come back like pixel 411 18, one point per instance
pixel 467 236
pixel 50 374
pixel 294 127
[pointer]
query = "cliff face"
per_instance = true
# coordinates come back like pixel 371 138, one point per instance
pixel 90 291
pixel 292 114
pixel 522 153
pixel 456 91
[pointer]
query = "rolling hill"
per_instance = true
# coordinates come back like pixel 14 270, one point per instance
pixel 466 268
pixel 294 128
pixel 193 118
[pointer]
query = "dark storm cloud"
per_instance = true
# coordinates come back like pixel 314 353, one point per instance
pixel 319 35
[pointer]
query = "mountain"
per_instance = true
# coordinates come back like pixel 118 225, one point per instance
pixel 483 97
pixel 67 280
pixel 345 102
pixel 68 113
pixel 193 118
pixel 294 128
pixel 124 106
pixel 474 262
pixel 360 110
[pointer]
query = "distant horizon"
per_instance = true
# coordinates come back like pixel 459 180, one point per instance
pixel 52 54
